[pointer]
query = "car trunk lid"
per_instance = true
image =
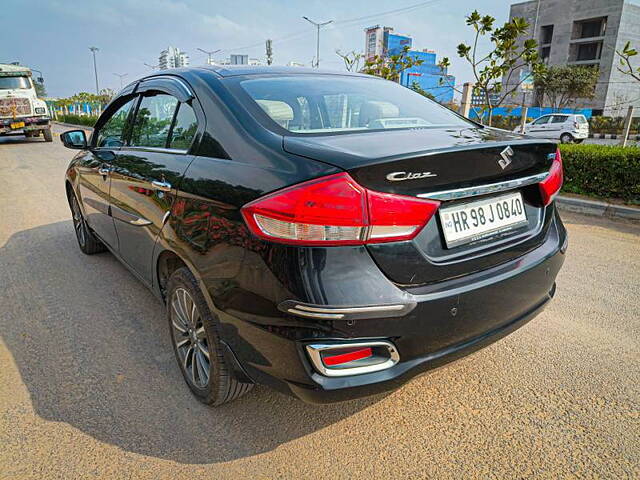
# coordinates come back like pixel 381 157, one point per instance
pixel 426 162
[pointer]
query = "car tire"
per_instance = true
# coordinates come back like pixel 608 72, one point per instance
pixel 87 241
pixel 194 333
pixel 566 138
pixel 48 136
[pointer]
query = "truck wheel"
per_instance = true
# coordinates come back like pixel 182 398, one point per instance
pixel 48 136
pixel 196 342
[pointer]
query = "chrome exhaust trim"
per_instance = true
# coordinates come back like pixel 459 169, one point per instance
pixel 314 351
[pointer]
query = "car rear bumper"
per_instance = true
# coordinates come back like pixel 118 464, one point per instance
pixel 579 134
pixel 30 124
pixel 447 321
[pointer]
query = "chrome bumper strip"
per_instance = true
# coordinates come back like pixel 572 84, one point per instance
pixel 326 312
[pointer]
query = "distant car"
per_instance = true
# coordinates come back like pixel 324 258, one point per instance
pixel 329 235
pixel 567 128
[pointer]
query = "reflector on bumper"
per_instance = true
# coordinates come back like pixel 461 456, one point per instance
pixel 343 359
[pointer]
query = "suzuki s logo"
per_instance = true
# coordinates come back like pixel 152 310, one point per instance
pixel 402 176
pixel 506 155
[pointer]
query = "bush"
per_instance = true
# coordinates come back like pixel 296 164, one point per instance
pixel 85 120
pixel 602 124
pixel 602 170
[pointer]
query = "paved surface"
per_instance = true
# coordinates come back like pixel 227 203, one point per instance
pixel 89 388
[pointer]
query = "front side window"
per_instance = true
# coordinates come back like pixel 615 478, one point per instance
pixel 325 104
pixel 152 124
pixel 112 131
pixel 185 128
pixel 13 83
pixel 541 121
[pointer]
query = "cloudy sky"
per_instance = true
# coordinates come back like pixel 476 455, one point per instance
pixel 54 36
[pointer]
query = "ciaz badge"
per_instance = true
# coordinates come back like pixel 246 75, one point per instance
pixel 401 176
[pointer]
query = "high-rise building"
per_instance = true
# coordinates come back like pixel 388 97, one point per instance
pixel 374 41
pixel 429 76
pixel 384 42
pixel 586 32
pixel 240 59
pixel 172 57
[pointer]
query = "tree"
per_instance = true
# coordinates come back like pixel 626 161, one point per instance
pixel 351 60
pixel 390 68
pixel 509 52
pixel 625 67
pixel 41 90
pixel 563 85
pixel 415 86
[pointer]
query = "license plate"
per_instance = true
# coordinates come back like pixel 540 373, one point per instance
pixel 17 125
pixel 475 220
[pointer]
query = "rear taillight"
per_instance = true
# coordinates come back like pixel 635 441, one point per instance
pixel 335 210
pixel 576 125
pixel 551 185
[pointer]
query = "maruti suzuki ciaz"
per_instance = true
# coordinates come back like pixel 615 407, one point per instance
pixel 330 235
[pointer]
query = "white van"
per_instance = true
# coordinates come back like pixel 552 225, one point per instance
pixel 565 127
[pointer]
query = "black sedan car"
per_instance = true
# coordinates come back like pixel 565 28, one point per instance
pixel 330 235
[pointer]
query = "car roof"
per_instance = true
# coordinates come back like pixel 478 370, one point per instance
pixel 241 70
pixel 238 71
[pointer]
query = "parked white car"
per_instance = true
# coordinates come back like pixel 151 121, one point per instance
pixel 565 127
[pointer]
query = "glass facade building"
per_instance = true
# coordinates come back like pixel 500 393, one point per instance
pixel 383 41
pixel 430 77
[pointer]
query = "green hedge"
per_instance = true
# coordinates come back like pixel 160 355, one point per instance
pixel 85 120
pixel 602 170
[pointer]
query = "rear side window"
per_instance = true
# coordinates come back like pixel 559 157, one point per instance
pixel 153 121
pixel 110 134
pixel 184 128
pixel 559 119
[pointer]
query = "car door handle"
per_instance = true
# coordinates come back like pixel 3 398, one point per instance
pixel 164 186
pixel 104 171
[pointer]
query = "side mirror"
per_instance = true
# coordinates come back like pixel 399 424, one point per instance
pixel 75 139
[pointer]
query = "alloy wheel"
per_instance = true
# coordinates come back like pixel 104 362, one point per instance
pixel 78 222
pixel 190 338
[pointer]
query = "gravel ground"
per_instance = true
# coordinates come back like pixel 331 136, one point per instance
pixel 89 387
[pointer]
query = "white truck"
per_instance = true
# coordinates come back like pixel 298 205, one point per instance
pixel 21 111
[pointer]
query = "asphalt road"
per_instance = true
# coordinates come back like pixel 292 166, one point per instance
pixel 89 387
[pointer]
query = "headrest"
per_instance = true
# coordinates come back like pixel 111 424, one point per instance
pixel 280 112
pixel 375 110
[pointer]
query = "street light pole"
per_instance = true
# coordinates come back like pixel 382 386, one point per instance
pixel 95 68
pixel 317 25
pixel 121 75
pixel 210 54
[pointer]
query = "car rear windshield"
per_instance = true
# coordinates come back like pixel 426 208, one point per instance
pixel 326 104
pixel 11 83
pixel 581 119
